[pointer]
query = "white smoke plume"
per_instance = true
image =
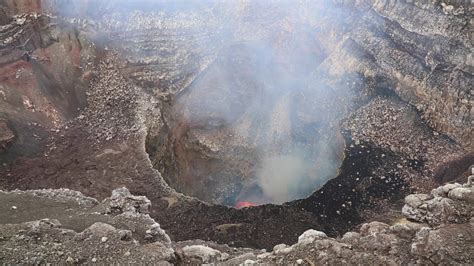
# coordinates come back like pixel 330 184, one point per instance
pixel 270 87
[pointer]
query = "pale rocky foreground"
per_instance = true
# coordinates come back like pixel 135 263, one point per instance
pixel 64 226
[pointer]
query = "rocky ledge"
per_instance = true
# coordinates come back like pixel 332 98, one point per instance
pixel 64 226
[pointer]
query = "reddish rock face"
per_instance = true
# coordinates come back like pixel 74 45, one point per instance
pixel 23 6
pixel 41 85
pixel 385 70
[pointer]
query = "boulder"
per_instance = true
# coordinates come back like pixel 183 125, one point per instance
pixel 462 193
pixel 310 235
pixel 123 201
pixel 203 253
pixel 99 230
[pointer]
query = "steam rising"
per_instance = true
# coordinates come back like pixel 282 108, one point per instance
pixel 264 77
pixel 280 177
pixel 267 87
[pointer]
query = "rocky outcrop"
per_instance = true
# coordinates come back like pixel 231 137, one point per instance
pixel 451 203
pixel 415 58
pixel 129 235
pixel 441 234
pixel 202 253
pixel 24 33
pixel 122 201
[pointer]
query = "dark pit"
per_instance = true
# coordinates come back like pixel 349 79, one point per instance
pixel 252 128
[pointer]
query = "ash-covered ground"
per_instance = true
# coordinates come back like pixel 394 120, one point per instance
pixel 323 114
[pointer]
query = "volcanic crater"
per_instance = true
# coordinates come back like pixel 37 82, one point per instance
pixel 321 114
pixel 247 130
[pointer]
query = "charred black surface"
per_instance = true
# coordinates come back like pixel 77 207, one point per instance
pixel 366 181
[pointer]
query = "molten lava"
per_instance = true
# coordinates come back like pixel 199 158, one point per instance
pixel 244 204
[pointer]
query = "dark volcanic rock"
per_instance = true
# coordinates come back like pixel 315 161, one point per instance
pixel 6 135
pixel 386 85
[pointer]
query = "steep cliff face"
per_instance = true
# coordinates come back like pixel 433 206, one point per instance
pixel 374 96
pixel 426 52
pixel 40 85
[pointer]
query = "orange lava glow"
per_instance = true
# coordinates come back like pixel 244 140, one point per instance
pixel 244 204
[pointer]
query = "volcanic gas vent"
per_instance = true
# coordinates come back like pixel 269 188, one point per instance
pixel 254 127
